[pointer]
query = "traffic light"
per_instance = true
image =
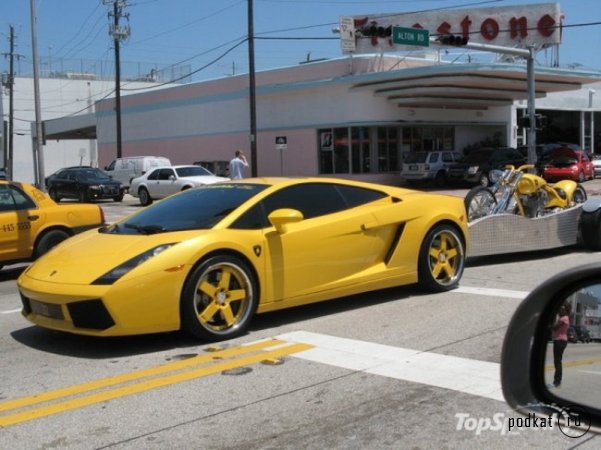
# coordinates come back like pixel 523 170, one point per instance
pixel 524 122
pixel 453 40
pixel 376 31
pixel 540 121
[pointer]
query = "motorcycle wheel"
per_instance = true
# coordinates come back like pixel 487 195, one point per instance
pixel 479 202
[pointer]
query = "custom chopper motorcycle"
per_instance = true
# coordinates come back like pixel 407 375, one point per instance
pixel 515 191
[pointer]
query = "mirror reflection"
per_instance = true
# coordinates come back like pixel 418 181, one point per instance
pixel 573 358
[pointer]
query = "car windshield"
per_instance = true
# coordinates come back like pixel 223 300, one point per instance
pixel 93 174
pixel 192 171
pixel 414 158
pixel 199 208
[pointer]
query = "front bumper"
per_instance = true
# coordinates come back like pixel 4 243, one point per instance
pixel 146 304
pixel 105 192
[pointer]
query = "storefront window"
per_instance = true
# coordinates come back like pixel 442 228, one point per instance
pixel 360 149
pixel 341 150
pixel 325 139
pixel 337 151
pixel 388 160
pixel 365 149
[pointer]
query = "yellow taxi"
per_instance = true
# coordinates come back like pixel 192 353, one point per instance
pixel 31 222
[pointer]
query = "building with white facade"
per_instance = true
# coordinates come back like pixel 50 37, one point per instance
pixel 356 116
pixel 72 98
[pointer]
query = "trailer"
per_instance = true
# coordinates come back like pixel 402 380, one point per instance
pixel 510 233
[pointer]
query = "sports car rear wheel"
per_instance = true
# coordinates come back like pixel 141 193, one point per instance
pixel 219 299
pixel 441 259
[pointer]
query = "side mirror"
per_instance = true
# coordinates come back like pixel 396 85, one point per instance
pixel 171 177
pixel 538 345
pixel 282 217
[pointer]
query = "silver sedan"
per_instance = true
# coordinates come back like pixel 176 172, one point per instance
pixel 164 181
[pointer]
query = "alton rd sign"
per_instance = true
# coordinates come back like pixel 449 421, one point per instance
pixel 410 36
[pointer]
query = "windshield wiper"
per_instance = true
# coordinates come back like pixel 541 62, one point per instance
pixel 145 229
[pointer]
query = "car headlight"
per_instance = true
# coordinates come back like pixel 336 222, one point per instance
pixel 94 186
pixel 113 275
pixel 472 170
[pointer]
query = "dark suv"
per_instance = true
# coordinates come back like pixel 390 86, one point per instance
pixel 84 184
pixel 476 166
pixel 582 333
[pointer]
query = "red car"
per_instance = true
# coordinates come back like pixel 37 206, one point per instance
pixel 566 163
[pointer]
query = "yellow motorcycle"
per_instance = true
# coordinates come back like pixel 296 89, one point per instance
pixel 515 191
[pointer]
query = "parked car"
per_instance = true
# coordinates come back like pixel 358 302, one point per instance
pixel 428 166
pixel 164 181
pixel 32 223
pixel 572 335
pixel 543 152
pixel 207 259
pixel 582 333
pixel 567 163
pixel 128 168
pixel 476 166
pixel 596 160
pixel 84 184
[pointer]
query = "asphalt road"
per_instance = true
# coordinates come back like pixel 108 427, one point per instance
pixel 389 369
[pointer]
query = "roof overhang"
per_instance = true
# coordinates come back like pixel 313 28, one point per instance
pixel 468 86
pixel 71 127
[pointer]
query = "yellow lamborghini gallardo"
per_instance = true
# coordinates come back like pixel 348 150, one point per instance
pixel 209 258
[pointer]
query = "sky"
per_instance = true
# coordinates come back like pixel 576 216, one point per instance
pixel 207 37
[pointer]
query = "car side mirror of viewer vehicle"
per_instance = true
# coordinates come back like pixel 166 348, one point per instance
pixel 535 349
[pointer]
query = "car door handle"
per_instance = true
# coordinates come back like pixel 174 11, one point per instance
pixel 369 226
pixel 33 217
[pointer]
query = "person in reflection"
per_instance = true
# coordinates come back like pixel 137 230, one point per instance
pixel 560 341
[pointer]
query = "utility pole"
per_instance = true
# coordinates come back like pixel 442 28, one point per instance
pixel 118 33
pixel 9 82
pixel 38 151
pixel 251 80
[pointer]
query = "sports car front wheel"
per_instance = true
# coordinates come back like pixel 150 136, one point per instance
pixel 441 259
pixel 219 299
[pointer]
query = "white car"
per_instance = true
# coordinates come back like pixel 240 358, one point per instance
pixel 596 159
pixel 164 181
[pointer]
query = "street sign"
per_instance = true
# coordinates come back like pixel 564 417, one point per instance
pixel 411 36
pixel 347 35
pixel 281 143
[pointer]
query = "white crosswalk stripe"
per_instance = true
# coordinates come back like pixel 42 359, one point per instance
pixel 469 376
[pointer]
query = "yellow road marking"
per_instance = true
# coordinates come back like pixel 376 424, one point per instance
pixel 143 385
pixel 131 376
pixel 576 363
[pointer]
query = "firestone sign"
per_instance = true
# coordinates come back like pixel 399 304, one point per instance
pixel 520 26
